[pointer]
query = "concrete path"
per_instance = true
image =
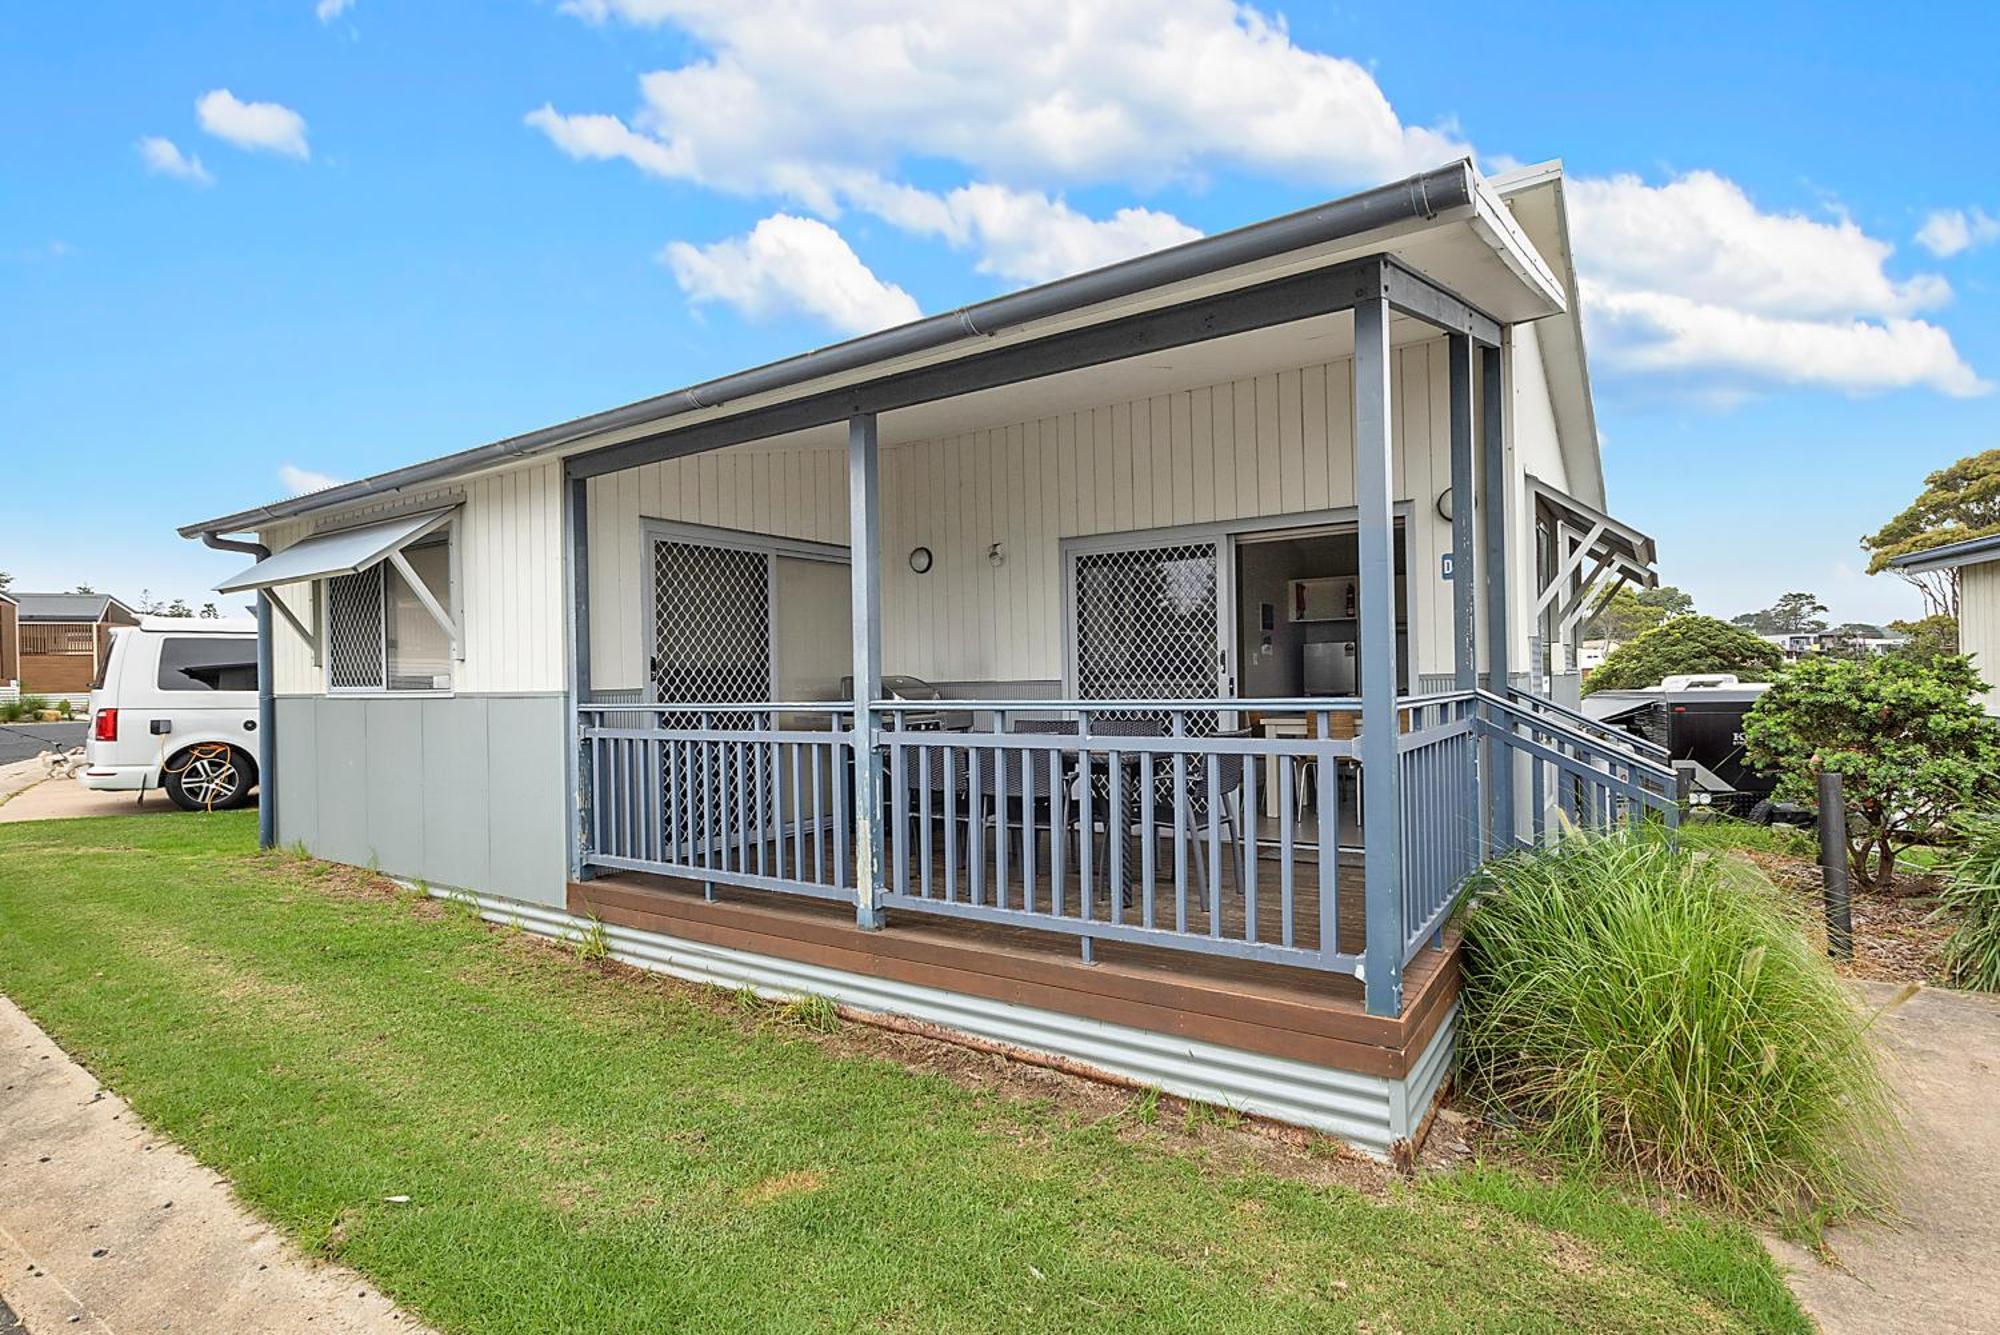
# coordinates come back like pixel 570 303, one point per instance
pixel 1938 1270
pixel 105 1227
pixel 63 799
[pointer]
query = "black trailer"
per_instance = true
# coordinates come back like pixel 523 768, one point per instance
pixel 1700 722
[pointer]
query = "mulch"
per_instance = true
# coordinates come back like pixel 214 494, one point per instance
pixel 1895 938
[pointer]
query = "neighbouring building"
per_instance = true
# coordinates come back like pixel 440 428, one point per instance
pixel 1977 561
pixel 10 643
pixel 63 637
pixel 1130 669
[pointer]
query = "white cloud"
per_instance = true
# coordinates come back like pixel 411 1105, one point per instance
pixel 1020 234
pixel 329 10
pixel 298 481
pixel 788 263
pixel 1032 92
pixel 164 158
pixel 267 126
pixel 1949 232
pixel 1693 277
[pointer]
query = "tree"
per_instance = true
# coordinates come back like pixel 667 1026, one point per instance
pixel 1906 737
pixel 178 608
pixel 1928 637
pixel 208 612
pixel 5 580
pixel 1626 612
pixel 1685 644
pixel 1793 614
pixel 1958 503
pixel 83 588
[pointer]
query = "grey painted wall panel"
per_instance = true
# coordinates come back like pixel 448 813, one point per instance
pixel 457 826
pixel 298 770
pixel 525 739
pixel 341 727
pixel 394 785
pixel 463 791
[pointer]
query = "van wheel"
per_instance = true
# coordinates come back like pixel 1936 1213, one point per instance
pixel 211 777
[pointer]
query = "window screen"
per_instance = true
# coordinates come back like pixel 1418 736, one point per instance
pixel 188 663
pixel 380 636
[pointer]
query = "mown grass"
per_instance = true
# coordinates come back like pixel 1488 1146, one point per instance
pixel 586 1151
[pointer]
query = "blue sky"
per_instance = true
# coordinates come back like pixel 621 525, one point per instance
pixel 237 240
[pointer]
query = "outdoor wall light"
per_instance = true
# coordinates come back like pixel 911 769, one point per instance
pixel 1444 505
pixel 997 554
pixel 920 560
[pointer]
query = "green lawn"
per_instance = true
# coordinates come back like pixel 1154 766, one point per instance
pixel 589 1151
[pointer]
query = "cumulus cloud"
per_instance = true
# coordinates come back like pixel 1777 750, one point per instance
pixel 1949 232
pixel 788 263
pixel 1691 276
pixel 298 481
pixel 164 158
pixel 1031 92
pixel 260 126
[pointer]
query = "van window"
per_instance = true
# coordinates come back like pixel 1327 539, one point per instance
pixel 205 663
pixel 105 661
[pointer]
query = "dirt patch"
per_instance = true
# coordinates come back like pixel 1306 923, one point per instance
pixel 781 1186
pixel 1895 939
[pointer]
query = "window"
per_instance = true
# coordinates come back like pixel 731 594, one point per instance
pixel 380 635
pixel 189 663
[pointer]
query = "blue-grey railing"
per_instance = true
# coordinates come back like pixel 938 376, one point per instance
pixel 1157 823
pixel 1569 776
pixel 1570 720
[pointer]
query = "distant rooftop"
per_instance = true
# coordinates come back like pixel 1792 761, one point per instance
pixel 62 606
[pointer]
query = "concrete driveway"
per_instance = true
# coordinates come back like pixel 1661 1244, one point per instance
pixel 1933 1271
pixel 25 741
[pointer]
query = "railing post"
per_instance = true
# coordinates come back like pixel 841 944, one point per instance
pixel 1374 485
pixel 864 555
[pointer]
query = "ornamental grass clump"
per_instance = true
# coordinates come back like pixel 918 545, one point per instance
pixel 1971 897
pixel 1644 1009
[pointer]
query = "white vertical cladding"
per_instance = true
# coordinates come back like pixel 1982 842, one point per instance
pixel 793 493
pixel 1270 445
pixel 1979 625
pixel 509 538
pixel 1536 450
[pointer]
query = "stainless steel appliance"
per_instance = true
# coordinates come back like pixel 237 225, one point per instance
pixel 1331 668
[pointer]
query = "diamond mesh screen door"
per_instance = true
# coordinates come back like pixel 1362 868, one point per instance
pixel 1147 623
pixel 356 650
pixel 711 627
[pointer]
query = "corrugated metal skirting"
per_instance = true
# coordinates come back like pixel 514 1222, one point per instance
pixel 1368 1112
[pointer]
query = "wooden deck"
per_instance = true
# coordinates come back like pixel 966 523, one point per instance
pixel 1279 1010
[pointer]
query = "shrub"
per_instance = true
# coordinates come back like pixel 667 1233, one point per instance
pixel 1971 894
pixel 1905 735
pixel 33 705
pixel 1642 1008
pixel 1685 644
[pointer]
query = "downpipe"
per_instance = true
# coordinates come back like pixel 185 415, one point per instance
pixel 267 708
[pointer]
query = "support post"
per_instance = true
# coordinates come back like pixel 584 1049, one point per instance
pixel 1493 489
pixel 1374 473
pixel 1833 865
pixel 864 558
pixel 1464 514
pixel 267 726
pixel 578 507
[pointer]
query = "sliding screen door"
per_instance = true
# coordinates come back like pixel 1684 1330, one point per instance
pixel 1147 622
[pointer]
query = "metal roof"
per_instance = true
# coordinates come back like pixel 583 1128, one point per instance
pixel 63 606
pixel 1453 192
pixel 1971 551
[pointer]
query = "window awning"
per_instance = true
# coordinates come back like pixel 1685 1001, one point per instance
pixel 341 553
pixel 1590 548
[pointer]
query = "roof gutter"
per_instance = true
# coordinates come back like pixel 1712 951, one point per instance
pixel 1418 198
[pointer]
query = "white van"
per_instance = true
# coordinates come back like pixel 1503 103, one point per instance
pixel 175 707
